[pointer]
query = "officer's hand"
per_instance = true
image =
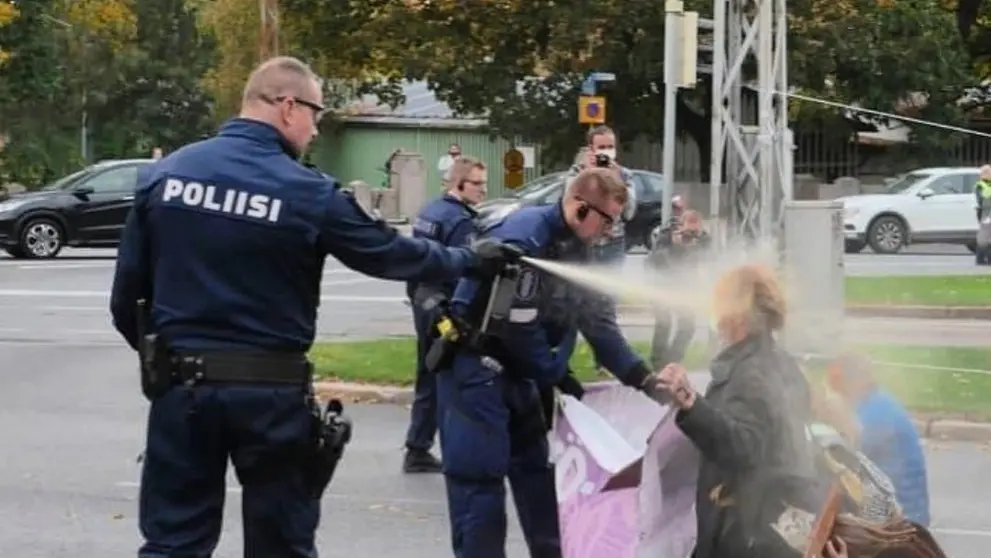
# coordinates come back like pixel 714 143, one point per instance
pixel 492 256
pixel 571 386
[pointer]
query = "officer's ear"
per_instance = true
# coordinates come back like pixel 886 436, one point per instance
pixel 582 212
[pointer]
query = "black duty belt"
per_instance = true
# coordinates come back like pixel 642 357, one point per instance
pixel 241 368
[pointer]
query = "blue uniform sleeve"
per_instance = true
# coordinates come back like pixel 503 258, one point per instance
pixel 566 348
pixel 132 276
pixel 461 233
pixel 598 325
pixel 367 246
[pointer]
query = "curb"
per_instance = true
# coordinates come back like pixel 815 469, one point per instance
pixel 882 311
pixel 929 427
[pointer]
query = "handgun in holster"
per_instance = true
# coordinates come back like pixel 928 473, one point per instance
pixel 156 378
pixel 331 434
pixel 454 333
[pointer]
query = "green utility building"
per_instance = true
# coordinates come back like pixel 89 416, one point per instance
pixel 360 145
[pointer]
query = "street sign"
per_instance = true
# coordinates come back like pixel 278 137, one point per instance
pixel 514 161
pixel 513 179
pixel 591 110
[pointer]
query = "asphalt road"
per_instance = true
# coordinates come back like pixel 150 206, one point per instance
pixel 72 423
pixel 66 300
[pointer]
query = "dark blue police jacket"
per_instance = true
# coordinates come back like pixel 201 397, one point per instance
pixel 446 220
pixel 538 336
pixel 228 238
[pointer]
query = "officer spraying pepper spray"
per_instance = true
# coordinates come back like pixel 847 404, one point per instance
pixel 226 243
pixel 507 340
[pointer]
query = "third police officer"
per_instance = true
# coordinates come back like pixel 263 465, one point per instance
pixel 226 243
pixel 450 220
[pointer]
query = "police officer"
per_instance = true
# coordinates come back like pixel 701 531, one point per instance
pixel 491 418
pixel 227 242
pixel 982 191
pixel 449 219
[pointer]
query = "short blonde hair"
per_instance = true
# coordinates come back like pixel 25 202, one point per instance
pixel 985 172
pixel 752 292
pixel 282 76
pixel 460 170
pixel 599 184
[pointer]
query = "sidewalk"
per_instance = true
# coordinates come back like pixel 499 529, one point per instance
pixel 930 426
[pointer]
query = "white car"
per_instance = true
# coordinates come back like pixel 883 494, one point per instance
pixel 935 205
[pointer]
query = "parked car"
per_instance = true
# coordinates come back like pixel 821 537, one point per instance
pixel 86 208
pixel 549 188
pixel 933 205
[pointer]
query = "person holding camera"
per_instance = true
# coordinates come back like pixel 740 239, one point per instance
pixel 600 151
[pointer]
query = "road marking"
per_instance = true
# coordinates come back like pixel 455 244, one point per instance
pixel 35 308
pixel 347 282
pixel 65 266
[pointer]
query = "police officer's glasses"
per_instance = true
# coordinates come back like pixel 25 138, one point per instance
pixel 607 219
pixel 318 110
pixel 479 183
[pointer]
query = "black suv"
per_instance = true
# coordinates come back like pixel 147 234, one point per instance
pixel 549 188
pixel 86 209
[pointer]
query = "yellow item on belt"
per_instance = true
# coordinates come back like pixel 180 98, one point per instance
pixel 447 329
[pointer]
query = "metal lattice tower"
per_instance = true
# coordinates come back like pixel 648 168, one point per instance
pixel 758 165
pixel 268 37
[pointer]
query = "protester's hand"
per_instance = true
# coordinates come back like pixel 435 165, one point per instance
pixel 836 548
pixel 673 380
pixel 492 256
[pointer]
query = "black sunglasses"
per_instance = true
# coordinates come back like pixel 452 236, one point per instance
pixel 608 219
pixel 318 110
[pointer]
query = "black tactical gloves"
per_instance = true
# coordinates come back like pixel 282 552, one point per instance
pixel 492 256
pixel 571 386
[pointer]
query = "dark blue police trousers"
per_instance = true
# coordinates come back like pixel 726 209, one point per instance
pixel 423 412
pixel 491 429
pixel 191 434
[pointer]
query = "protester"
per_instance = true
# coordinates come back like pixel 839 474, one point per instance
pixel 749 426
pixel 888 437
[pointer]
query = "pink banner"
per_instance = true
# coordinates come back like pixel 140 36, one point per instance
pixel 625 477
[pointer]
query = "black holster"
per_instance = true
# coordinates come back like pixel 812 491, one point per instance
pixel 331 434
pixel 156 377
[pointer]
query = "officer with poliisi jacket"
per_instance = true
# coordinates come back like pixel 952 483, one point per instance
pixel 226 244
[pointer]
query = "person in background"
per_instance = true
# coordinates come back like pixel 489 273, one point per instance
pixel 887 436
pixel 678 250
pixel 157 153
pixel 445 163
pixel 449 220
pixel 982 190
pixel 600 151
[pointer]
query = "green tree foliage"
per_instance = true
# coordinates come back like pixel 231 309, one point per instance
pixel 476 54
pixel 31 93
pixel 128 69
